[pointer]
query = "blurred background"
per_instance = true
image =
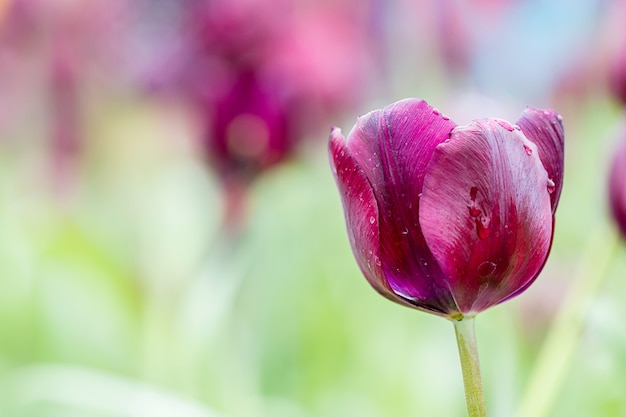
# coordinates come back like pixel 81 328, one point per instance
pixel 171 239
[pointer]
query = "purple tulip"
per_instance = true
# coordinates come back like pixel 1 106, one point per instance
pixel 617 187
pixel 449 219
pixel 250 130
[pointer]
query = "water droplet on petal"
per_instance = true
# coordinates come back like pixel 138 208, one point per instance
pixel 473 210
pixel 528 150
pixel 372 220
pixel 485 221
pixel 377 261
pixel 551 186
pixel 444 117
pixel 436 112
pixel 482 227
pixel 505 125
pixel 486 269
pixel 405 231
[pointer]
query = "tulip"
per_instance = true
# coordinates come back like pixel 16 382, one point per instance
pixel 617 188
pixel 450 219
pixel 249 130
pixel 444 218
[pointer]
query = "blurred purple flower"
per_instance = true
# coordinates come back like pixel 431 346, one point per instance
pixel 250 128
pixel 263 75
pixel 444 218
pixel 50 52
pixel 617 187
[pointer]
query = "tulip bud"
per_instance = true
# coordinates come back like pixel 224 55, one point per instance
pixel 249 129
pixel 249 132
pixel 449 219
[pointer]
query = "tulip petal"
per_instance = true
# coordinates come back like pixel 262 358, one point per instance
pixel 392 146
pixel 361 213
pixel 486 213
pixel 545 129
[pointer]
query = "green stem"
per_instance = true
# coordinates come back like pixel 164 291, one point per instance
pixel 560 342
pixel 468 351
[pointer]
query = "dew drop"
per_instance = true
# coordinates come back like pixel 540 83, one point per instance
pixel 405 231
pixel 528 150
pixel 482 227
pixel 505 125
pixel 486 269
pixel 444 117
pixel 377 261
pixel 372 220
pixel 436 112
pixel 551 186
pixel 473 210
pixel 485 221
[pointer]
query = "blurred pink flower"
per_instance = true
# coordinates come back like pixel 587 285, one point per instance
pixel 49 52
pixel 263 75
pixel 249 128
pixel 304 61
